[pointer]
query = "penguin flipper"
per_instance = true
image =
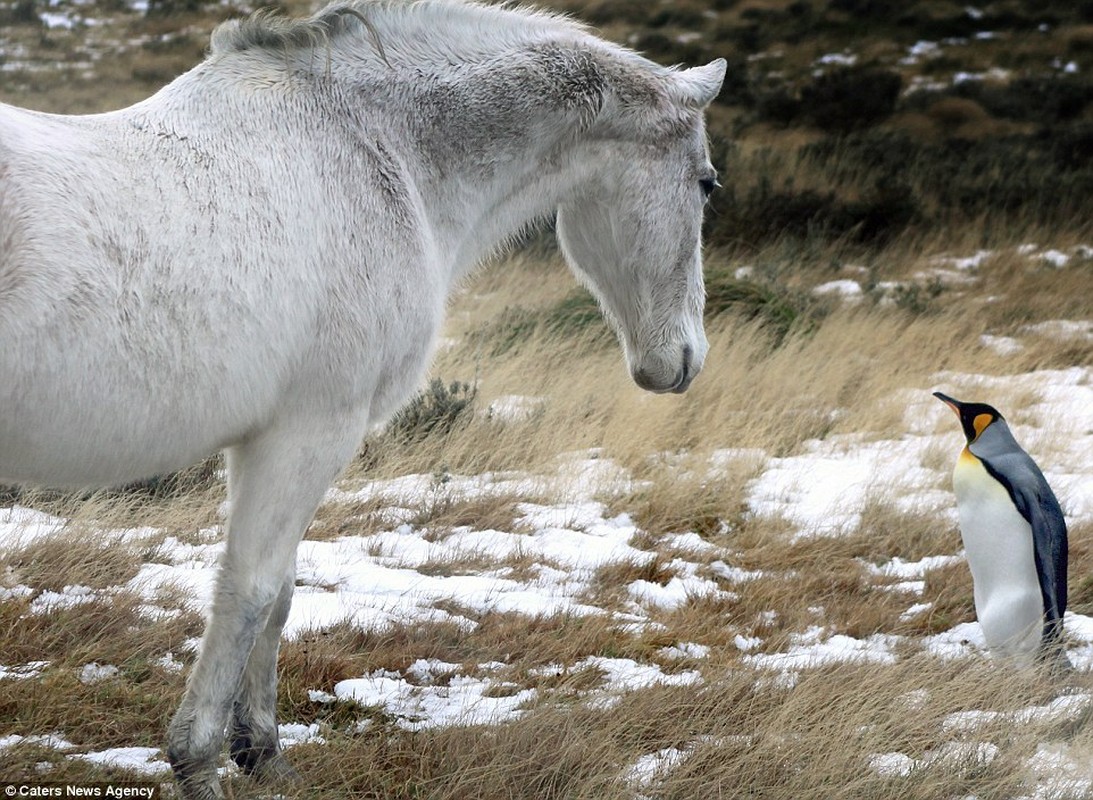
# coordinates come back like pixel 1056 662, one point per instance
pixel 1049 548
pixel 1034 500
pixel 1049 543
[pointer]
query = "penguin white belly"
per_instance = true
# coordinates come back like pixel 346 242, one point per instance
pixel 998 545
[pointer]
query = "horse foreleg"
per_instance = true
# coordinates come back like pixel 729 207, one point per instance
pixel 275 482
pixel 196 733
pixel 253 742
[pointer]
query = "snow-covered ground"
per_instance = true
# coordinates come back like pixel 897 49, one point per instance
pixel 377 580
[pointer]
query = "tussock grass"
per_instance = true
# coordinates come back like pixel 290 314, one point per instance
pixel 677 500
pixel 886 532
pixel 54 562
pixel 127 709
pixel 493 512
pixel 758 388
pixel 358 518
pixel 1080 598
pixel 789 752
pixel 736 737
pixel 750 395
pixel 171 504
pixel 543 760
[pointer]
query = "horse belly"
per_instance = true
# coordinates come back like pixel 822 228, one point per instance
pixel 91 428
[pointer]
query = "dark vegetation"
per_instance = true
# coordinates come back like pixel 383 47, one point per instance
pixel 836 123
pixel 882 141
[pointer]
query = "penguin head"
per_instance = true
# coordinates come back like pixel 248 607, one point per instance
pixel 974 417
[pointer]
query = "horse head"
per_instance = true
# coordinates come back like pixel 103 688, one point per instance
pixel 632 228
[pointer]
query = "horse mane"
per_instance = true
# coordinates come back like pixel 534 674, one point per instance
pixel 270 30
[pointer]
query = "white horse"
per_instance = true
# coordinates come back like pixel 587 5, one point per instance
pixel 257 260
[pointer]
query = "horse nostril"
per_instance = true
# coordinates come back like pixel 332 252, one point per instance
pixel 685 370
pixel 685 373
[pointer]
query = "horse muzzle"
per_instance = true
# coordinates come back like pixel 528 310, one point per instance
pixel 660 375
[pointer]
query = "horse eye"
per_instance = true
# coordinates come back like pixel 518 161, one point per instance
pixel 708 185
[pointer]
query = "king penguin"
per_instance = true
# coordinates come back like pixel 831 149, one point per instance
pixel 1014 537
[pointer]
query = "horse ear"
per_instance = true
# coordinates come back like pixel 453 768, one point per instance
pixel 698 86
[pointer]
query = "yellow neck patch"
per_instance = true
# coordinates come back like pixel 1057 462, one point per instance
pixel 981 422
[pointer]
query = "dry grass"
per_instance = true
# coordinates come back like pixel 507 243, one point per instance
pixel 751 394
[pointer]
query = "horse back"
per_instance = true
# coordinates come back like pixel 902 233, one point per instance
pixel 167 287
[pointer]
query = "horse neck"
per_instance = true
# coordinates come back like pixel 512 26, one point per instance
pixel 494 143
pixel 491 143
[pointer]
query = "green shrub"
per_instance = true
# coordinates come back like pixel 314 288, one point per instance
pixel 606 12
pixel 1043 99
pixel 508 330
pixel 917 298
pixel 868 9
pixel 678 16
pixel 775 308
pixel 934 24
pixel 670 50
pixel 1072 148
pixel 199 477
pixel 436 411
pixel 736 89
pixel 747 38
pixel 777 105
pixel 1036 178
pixel 574 315
pixel 168 8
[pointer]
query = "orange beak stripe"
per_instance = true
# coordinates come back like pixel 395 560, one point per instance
pixel 952 406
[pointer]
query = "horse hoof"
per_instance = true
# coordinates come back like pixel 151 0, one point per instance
pixel 197 780
pixel 200 789
pixel 277 771
pixel 266 765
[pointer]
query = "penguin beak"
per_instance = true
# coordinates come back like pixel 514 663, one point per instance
pixel 950 402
